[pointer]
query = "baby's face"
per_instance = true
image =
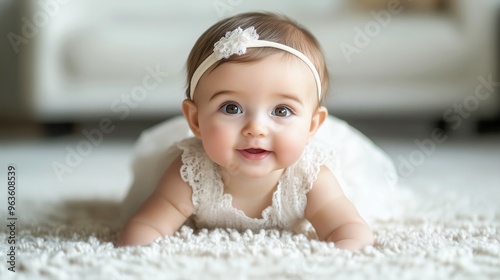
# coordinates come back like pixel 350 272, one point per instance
pixel 255 118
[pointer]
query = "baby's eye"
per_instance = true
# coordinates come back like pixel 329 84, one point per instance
pixel 281 111
pixel 230 108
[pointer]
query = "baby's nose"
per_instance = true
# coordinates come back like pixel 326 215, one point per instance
pixel 256 127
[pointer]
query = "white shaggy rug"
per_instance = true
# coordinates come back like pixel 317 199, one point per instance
pixel 65 230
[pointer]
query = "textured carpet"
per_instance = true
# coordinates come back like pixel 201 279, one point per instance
pixel 65 229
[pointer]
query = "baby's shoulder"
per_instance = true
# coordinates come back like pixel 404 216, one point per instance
pixel 174 189
pixel 326 183
pixel 172 176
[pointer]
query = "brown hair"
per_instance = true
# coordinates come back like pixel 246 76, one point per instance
pixel 270 27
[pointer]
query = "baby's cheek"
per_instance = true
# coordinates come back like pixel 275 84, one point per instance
pixel 216 142
pixel 290 148
pixel 291 155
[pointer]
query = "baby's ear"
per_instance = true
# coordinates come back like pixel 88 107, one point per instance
pixel 317 120
pixel 191 114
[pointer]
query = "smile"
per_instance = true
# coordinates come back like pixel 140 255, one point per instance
pixel 254 154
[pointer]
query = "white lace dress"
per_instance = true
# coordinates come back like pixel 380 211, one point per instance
pixel 213 208
pixel 365 173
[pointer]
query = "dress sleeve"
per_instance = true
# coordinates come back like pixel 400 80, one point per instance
pixel 195 164
pixel 299 178
pixel 315 156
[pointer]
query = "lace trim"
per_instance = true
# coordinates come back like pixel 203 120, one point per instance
pixel 305 172
pixel 194 169
pixel 320 156
pixel 264 220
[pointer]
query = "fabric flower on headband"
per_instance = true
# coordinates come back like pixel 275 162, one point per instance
pixel 235 42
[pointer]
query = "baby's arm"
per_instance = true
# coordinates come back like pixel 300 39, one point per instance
pixel 163 212
pixel 333 216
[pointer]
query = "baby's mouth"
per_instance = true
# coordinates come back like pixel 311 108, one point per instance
pixel 254 153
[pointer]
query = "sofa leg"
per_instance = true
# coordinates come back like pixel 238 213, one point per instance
pixel 488 126
pixel 58 129
pixel 443 125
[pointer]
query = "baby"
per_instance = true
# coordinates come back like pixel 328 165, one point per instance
pixel 253 104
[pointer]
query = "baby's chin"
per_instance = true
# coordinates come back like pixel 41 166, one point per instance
pixel 243 171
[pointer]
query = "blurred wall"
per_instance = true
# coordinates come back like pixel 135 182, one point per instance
pixel 10 97
pixel 419 65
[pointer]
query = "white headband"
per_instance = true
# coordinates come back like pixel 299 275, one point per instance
pixel 237 42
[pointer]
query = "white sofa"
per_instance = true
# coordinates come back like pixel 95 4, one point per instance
pixel 94 59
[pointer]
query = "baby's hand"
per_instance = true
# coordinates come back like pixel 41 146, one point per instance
pixel 333 216
pixel 362 233
pixel 137 233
